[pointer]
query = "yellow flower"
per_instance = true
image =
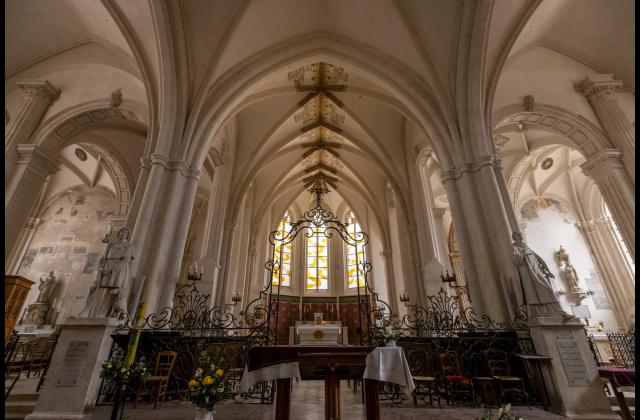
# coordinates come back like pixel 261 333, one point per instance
pixel 219 372
pixel 193 383
pixel 207 380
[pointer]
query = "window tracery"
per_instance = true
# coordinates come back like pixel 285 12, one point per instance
pixel 355 254
pixel 282 254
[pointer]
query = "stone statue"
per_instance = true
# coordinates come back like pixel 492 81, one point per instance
pixel 572 277
pixel 110 292
pixel 570 274
pixel 45 287
pixel 114 271
pixel 539 296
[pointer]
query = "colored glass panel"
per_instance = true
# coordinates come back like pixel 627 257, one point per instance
pixel 355 255
pixel 282 255
pixel 318 260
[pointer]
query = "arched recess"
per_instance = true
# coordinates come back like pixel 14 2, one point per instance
pixel 578 132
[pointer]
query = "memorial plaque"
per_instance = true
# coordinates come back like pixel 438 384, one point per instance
pixel 572 359
pixel 73 363
pixel 580 311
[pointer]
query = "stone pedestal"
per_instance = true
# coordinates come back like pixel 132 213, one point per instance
pixel 573 383
pixel 73 380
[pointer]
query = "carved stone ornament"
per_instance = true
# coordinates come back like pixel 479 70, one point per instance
pixel 116 98
pixel 529 102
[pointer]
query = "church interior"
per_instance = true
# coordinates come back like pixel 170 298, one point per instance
pixel 213 207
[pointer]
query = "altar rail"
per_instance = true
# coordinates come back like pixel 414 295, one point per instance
pixel 193 329
pixel 623 349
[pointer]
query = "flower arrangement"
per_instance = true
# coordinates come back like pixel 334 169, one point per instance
pixel 504 413
pixel 114 370
pixel 209 385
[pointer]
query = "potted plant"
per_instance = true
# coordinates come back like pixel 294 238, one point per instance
pixel 209 386
pixel 114 370
pixel 504 413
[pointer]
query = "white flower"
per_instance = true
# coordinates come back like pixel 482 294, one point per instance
pixel 507 408
pixel 500 412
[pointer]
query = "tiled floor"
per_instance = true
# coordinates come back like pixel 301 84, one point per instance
pixel 307 403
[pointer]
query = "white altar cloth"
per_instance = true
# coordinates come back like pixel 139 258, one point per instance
pixel 387 364
pixel 318 334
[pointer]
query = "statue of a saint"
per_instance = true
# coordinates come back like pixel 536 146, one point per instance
pixel 572 277
pixel 108 296
pixel 114 272
pixel 45 287
pixel 570 274
pixel 540 298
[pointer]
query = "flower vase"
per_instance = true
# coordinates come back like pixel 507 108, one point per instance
pixel 390 343
pixel 204 414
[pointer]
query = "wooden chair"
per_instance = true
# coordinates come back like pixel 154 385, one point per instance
pixel 159 380
pixel 424 377
pixel 455 383
pixel 498 362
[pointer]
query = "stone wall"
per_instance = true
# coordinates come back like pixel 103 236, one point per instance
pixel 69 242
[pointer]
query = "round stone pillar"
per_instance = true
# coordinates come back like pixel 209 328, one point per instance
pixel 159 235
pixel 479 213
pixel 607 170
pixel 600 90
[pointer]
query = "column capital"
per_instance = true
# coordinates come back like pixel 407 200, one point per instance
pixel 33 223
pixel 172 165
pixel 599 86
pixel 602 163
pixel 587 227
pixel 455 172
pixel 40 159
pixel 424 157
pixel 39 89
pixel 499 141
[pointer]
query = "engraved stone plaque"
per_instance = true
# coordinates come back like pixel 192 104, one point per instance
pixel 571 359
pixel 73 363
pixel 580 311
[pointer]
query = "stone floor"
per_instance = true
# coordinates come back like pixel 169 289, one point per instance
pixel 307 403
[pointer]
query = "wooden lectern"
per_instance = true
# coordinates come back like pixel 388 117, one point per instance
pixel 16 289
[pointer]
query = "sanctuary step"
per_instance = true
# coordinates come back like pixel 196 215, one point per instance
pixel 18 406
pixel 22 399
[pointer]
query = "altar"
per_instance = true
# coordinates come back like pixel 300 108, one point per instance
pixel 326 332
pixel 331 363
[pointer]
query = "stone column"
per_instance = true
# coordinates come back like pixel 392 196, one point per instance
pixel 464 241
pixel 484 235
pixel 607 170
pixel 138 193
pixel 600 90
pixel 38 96
pixel 30 174
pixel 159 235
pixel 230 227
pixel 617 280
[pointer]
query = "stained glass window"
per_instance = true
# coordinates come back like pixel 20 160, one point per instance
pixel 282 250
pixel 355 254
pixel 318 259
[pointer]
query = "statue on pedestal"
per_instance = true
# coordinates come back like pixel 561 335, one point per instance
pixel 37 312
pixel 110 292
pixel 539 296
pixel 45 287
